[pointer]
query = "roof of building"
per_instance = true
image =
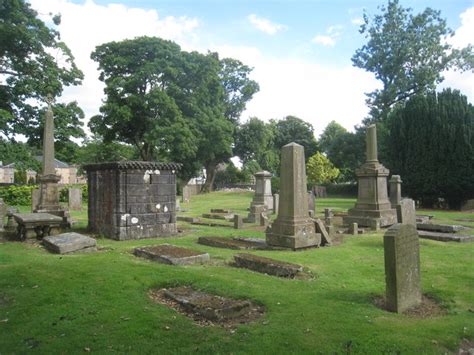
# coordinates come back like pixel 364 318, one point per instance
pixel 57 163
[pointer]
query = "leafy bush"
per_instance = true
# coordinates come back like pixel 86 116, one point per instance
pixel 17 195
pixel 64 192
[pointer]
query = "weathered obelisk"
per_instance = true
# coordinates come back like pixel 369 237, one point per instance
pixel 49 192
pixel 293 228
pixel 372 209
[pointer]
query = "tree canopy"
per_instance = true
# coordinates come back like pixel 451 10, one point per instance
pixel 320 170
pixel 407 53
pixel 34 64
pixel 431 146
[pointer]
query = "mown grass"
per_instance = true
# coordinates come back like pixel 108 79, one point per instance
pixel 99 301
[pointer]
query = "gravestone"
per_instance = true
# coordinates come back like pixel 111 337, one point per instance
pixel 35 197
pixel 328 216
pixel 293 228
pixel 311 202
pixel 276 201
pixel 75 199
pixel 3 212
pixel 255 213
pixel 402 267
pixel 132 199
pixel 372 209
pixel 49 190
pixel 263 190
pixel 353 229
pixel 406 213
pixel 238 222
pixel 186 194
pixel 69 243
pixel 395 184
pixel 326 239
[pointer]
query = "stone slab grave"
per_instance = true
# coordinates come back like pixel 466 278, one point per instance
pixel 69 243
pixel 267 265
pixel 221 210
pixel 187 219
pixel 75 199
pixel 422 218
pixel 234 243
pixel 402 268
pixel 210 307
pixel 31 225
pixel 227 216
pixel 211 224
pixel 446 237
pixel 443 228
pixel 171 254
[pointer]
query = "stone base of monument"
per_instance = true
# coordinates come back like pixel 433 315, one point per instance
pixel 446 237
pixel 205 306
pixel 293 234
pixel 370 218
pixel 267 265
pixel 173 255
pixel 69 243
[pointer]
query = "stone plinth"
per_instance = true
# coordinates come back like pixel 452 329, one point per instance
pixel 293 228
pixel 263 190
pixel 132 199
pixel 372 209
pixel 402 267
pixel 69 243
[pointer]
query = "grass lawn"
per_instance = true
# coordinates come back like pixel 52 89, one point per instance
pixel 99 301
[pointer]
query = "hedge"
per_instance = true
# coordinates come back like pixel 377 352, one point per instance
pixel 21 195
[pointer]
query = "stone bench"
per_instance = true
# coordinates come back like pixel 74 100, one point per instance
pixel 38 225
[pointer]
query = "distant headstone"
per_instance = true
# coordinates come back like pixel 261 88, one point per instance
pixel 395 184
pixel 293 228
pixel 406 213
pixel 186 194
pixel 3 212
pixel 35 197
pixel 263 190
pixel 353 229
pixel 328 213
pixel 311 202
pixel 238 222
pixel 276 200
pixel 402 267
pixel 178 206
pixel 69 243
pixel 75 199
pixel 255 213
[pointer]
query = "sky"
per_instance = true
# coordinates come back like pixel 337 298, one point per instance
pixel 300 50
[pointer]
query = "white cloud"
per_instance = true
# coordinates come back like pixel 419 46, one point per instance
pixel 324 40
pixel 265 25
pixel 357 21
pixel 84 26
pixel 330 38
pixel 463 37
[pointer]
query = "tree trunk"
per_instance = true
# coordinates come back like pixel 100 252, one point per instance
pixel 210 176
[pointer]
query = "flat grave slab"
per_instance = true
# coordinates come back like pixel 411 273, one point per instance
pixel 220 210
pixel 69 243
pixel 227 217
pixel 443 228
pixel 446 237
pixel 212 224
pixel 187 219
pixel 210 307
pixel 32 225
pixel 231 243
pixel 267 265
pixel 172 255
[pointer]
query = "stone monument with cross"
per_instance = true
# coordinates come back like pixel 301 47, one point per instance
pixel 373 208
pixel 293 228
pixel 49 191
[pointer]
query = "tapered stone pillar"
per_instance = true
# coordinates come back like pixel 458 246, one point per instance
pixel 373 208
pixel 293 228
pixel 49 191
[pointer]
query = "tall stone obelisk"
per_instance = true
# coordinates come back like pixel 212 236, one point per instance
pixel 49 192
pixel 372 209
pixel 293 228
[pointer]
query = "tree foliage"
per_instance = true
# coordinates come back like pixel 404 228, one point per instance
pixel 320 170
pixel 34 63
pixel 432 147
pixel 294 129
pixel 407 53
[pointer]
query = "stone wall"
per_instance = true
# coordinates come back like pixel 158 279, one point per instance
pixel 132 200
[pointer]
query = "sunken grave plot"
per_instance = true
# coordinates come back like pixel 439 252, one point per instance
pixel 267 265
pixel 207 308
pixel 172 255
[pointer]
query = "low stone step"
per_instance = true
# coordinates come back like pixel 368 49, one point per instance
pixel 445 237
pixel 267 265
pixel 171 254
pixel 444 228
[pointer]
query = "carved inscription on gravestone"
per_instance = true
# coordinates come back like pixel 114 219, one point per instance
pixel 402 267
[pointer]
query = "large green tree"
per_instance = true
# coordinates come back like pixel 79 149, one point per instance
pixel 432 147
pixel 407 53
pixel 34 64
